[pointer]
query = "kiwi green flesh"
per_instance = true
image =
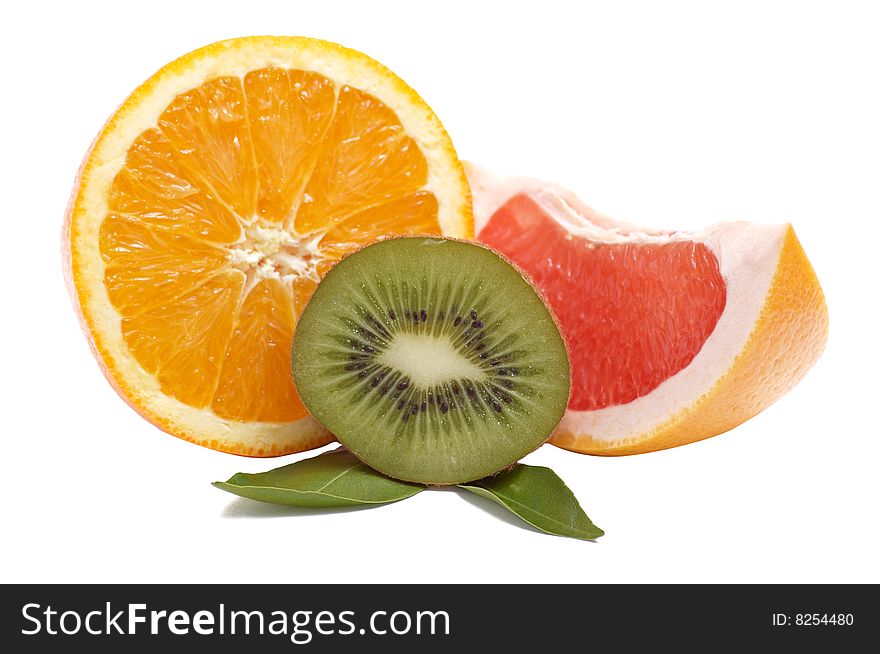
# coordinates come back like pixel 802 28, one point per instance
pixel 432 360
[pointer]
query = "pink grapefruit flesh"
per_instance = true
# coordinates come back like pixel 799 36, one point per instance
pixel 633 315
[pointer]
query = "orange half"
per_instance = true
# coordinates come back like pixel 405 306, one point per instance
pixel 211 204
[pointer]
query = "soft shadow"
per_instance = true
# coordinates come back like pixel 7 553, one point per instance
pixel 496 510
pixel 241 507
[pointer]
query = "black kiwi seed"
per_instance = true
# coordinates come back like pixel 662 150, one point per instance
pixel 401 404
pixel 473 314
pixel 455 389
pixel 406 313
pixel 481 346
pixel 424 406
pixel 423 315
pixel 402 385
pixel 391 314
pixel 497 407
pixel 457 321
pixel 483 355
pixel 444 407
pixel 414 410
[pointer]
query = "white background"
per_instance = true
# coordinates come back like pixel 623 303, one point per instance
pixel 666 114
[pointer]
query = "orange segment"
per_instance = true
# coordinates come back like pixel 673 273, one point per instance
pixel 210 132
pixel 255 380
pixel 149 267
pixel 214 201
pixel 289 112
pixel 183 343
pixel 367 159
pixel 302 288
pixel 154 188
pixel 411 214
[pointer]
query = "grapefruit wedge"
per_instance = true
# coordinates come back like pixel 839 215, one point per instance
pixel 209 207
pixel 674 337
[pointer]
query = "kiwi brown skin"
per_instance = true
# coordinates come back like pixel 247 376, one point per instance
pixel 427 480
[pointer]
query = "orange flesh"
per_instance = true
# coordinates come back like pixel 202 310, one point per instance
pixel 632 314
pixel 225 216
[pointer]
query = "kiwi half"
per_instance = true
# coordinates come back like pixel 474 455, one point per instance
pixel 432 360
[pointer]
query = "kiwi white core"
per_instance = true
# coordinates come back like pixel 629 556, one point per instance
pixel 428 360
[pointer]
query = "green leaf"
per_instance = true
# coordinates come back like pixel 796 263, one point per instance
pixel 540 497
pixel 331 479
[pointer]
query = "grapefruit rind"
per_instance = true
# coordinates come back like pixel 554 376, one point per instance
pixel 773 328
pixel 84 265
